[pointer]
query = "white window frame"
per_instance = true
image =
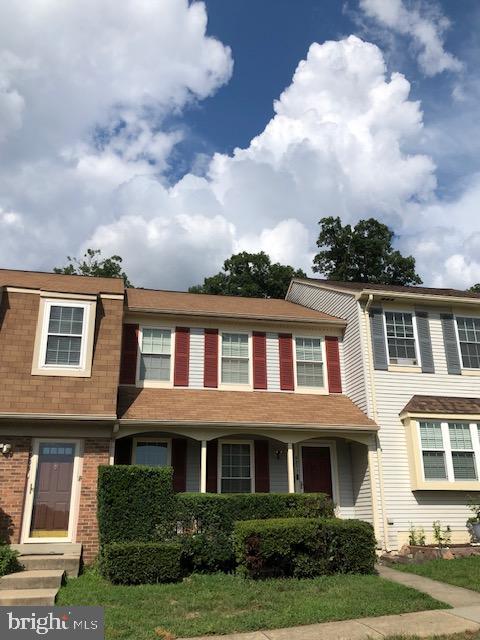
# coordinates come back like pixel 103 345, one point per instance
pixel 167 441
pixel 235 385
pixel 251 444
pixel 301 389
pixel 457 334
pixel 155 384
pixel 447 450
pixel 415 336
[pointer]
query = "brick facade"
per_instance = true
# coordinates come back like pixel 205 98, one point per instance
pixel 13 479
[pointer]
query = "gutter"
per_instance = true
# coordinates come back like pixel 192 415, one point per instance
pixel 56 416
pixel 243 425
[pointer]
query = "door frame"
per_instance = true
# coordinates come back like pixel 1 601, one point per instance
pixel 74 497
pixel 331 445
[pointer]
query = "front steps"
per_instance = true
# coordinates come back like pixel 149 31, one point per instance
pixel 45 567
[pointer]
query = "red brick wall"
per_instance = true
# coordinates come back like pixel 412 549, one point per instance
pixel 13 479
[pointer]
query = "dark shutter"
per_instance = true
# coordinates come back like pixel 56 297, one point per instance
pixel 450 342
pixel 262 471
pixel 182 356
pixel 210 365
pixel 425 342
pixel 379 340
pixel 333 364
pixel 285 350
pixel 179 464
pixel 212 462
pixel 123 451
pixel 128 365
pixel 259 360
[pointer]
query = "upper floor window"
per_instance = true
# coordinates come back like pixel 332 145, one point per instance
pixel 309 362
pixel 400 338
pixel 469 338
pixel 156 354
pixel 235 358
pixel 448 450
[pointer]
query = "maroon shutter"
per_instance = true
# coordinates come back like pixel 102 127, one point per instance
pixel 285 349
pixel 182 356
pixel 179 464
pixel 128 365
pixel 262 472
pixel 333 365
pixel 212 462
pixel 210 364
pixel 259 360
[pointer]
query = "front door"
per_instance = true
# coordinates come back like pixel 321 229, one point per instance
pixel 317 470
pixel 52 490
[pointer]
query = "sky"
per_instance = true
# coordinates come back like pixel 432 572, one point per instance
pixel 176 133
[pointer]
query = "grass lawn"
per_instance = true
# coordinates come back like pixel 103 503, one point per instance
pixel 208 604
pixel 464 572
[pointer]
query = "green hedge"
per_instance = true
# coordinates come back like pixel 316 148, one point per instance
pixel 134 502
pixel 8 560
pixel 303 547
pixel 141 562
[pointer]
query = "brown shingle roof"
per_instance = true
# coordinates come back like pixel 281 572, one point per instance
pixel 60 283
pixel 361 286
pixel 230 306
pixel 247 408
pixel 442 404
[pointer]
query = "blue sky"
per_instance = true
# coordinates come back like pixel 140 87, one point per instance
pixel 176 133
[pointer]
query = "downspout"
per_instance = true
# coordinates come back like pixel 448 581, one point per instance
pixel 375 417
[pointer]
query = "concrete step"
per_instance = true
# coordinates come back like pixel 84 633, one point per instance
pixel 41 579
pixel 46 548
pixel 16 597
pixel 68 563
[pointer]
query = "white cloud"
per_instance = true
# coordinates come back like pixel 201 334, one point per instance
pixel 424 23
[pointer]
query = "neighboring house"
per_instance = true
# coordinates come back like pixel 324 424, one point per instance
pixel 237 394
pixel 411 361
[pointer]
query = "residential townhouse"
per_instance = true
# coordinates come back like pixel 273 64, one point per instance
pixel 237 394
pixel 411 362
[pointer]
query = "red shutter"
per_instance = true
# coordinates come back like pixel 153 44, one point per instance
pixel 210 364
pixel 333 365
pixel 179 464
pixel 285 349
pixel 259 360
pixel 182 356
pixel 128 365
pixel 212 462
pixel 262 472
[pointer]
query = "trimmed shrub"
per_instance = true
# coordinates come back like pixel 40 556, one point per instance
pixel 141 562
pixel 134 502
pixel 303 547
pixel 8 560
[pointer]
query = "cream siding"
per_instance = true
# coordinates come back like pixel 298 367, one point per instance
pixel 196 358
pixel 278 468
pixel 273 362
pixel 362 496
pixel 346 504
pixel 193 466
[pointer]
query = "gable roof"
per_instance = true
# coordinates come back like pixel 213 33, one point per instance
pixel 180 303
pixel 60 283
pixel 442 405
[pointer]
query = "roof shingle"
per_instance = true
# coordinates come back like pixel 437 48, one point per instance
pixel 442 405
pixel 60 283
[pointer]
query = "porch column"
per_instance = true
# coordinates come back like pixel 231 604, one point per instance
pixel 203 467
pixel 290 468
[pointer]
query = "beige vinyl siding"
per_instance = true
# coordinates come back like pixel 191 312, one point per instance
pixel 193 466
pixel 196 358
pixel 273 362
pixel 346 504
pixel 362 495
pixel 278 468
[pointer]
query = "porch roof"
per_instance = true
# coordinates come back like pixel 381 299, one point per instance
pixel 248 408
pixel 442 405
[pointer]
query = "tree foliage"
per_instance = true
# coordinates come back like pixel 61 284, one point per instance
pixel 93 263
pixel 362 253
pixel 475 288
pixel 252 275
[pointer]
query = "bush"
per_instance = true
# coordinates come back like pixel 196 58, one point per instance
pixel 134 502
pixel 141 562
pixel 303 547
pixel 8 560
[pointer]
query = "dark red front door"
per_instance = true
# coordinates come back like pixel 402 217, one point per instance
pixel 317 470
pixel 53 490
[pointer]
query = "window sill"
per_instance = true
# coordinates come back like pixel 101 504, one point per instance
pixel 445 485
pixel 64 373
pixel 399 368
pixel 471 372
pixel 154 384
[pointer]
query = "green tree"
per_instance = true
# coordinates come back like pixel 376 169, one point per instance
pixel 362 253
pixel 475 288
pixel 93 263
pixel 252 275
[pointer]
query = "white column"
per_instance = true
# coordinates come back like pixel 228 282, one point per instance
pixel 203 467
pixel 290 469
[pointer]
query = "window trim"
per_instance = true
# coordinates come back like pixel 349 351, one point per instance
pixel 232 386
pixel 137 439
pixel 396 365
pixel 251 444
pixel 457 334
pixel 155 384
pixel 310 390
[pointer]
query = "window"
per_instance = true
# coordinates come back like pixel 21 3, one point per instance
pixel 64 335
pixel 236 467
pixel 432 451
pixel 449 450
pixel 400 338
pixel 463 457
pixel 153 453
pixel 469 338
pixel 155 359
pixel 309 362
pixel 235 358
